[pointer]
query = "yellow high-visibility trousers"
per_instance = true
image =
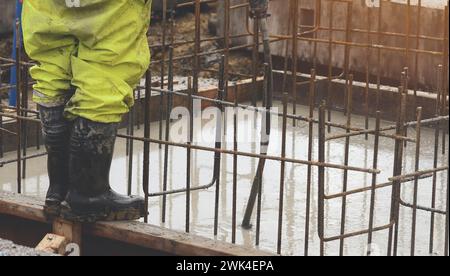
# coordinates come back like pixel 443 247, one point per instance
pixel 90 54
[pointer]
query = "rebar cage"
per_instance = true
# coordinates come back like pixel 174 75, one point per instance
pixel 317 55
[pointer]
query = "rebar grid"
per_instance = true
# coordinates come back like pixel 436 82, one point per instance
pixel 23 115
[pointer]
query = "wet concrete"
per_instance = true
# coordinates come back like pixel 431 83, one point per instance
pixel 202 208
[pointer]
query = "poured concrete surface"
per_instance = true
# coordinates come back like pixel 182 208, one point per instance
pixel 202 208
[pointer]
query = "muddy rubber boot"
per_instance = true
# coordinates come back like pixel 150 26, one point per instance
pixel 56 134
pixel 90 196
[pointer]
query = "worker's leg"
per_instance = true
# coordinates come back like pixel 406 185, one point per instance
pixel 56 132
pixel 113 55
pixel 90 197
pixel 46 42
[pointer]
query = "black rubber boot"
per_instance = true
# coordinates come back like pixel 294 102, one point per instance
pixel 90 196
pixel 56 133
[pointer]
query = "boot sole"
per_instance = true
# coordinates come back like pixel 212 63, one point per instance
pixel 129 214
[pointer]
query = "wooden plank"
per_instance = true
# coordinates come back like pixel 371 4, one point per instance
pixel 135 233
pixel 70 230
pixel 30 208
pixel 53 244
pixel 169 241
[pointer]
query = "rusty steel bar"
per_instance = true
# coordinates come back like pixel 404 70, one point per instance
pixel 197 45
pixel 444 75
pixel 219 133
pixel 255 58
pixel 189 140
pixel 378 186
pixel 169 107
pixel 235 166
pixel 1 119
pixel 435 164
pixel 446 217
pixel 349 107
pixel 28 157
pixel 130 150
pixel 24 107
pixel 417 45
pixel 379 54
pixel 418 173
pixel 312 97
pixel 146 161
pixel 374 183
pixel 321 178
pixel 282 175
pixel 294 57
pixel 398 168
pixel 162 67
pixel 368 56
pixel 347 48
pixel 330 60
pixel 18 109
pixel 416 183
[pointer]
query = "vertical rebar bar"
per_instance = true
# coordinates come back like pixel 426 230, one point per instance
pixel 1 118
pixel 397 170
pixel 405 85
pixel 368 56
pixel 18 106
pixel 147 127
pixel 282 174
pixel 162 68
pixel 435 160
pixel 374 182
pixel 317 18
pixel 321 177
pixel 444 76
pixel 446 217
pixel 235 164
pixel 219 133
pixel 312 98
pixel 189 156
pixel 346 161
pixel 167 134
pixel 416 182
pixel 24 123
pixel 347 48
pixel 130 148
pixel 379 41
pixel 255 60
pixel 294 57
pixel 197 44
pixel 417 46
pixel 330 61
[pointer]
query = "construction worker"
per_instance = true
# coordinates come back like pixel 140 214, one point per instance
pixel 90 55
